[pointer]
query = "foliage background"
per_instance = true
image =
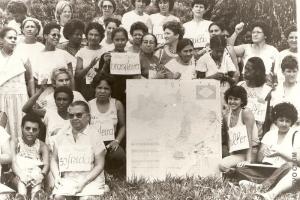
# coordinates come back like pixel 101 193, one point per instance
pixel 278 14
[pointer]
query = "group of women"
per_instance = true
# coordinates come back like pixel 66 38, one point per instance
pixel 73 63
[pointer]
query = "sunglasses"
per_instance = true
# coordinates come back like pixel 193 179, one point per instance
pixel 77 115
pixel 55 35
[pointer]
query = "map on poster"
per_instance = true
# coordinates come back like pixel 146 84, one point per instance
pixel 173 128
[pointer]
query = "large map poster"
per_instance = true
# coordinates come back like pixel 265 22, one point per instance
pixel 173 128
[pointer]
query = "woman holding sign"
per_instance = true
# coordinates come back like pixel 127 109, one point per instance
pixel 108 118
pixel 241 130
pixel 13 78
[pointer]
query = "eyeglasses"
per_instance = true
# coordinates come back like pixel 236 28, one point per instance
pixel 55 35
pixel 107 6
pixel 77 115
pixel 12 37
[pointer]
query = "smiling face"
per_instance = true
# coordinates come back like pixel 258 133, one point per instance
pixel 66 14
pixel 30 131
pixel 169 36
pixel 79 118
pixel 186 53
pixel 283 124
pixel 30 29
pixel 10 40
pixel 234 102
pixel 290 75
pixel 292 40
pixel 62 79
pixel 52 39
pixel 148 44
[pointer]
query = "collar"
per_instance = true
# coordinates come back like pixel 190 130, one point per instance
pixel 84 132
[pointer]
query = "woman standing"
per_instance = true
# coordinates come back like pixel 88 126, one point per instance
pixel 87 59
pixel 63 13
pixel 183 67
pixel 110 25
pixel 13 78
pixel 108 8
pixel 108 118
pixel 173 31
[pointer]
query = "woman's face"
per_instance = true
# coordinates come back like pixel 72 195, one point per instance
pixel 164 6
pixel 30 29
pixel 198 10
pixel 290 75
pixel 120 41
pixel 107 8
pixel 62 80
pixel 140 5
pixel 292 40
pixel 148 44
pixel 234 102
pixel 93 37
pixel 186 53
pixel 249 72
pixel 66 14
pixel 214 30
pixel 76 37
pixel 10 40
pixel 62 101
pixel 53 37
pixel 169 36
pixel 137 37
pixel 283 124
pixel 109 28
pixel 103 91
pixel 258 35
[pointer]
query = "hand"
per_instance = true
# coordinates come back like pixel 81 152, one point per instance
pixel 44 84
pixel 107 57
pixel 243 163
pixel 218 76
pixel 113 145
pixel 94 61
pixel 57 182
pixel 37 180
pixel 239 27
pixel 270 152
pixel 78 188
pixel 160 74
pixel 176 75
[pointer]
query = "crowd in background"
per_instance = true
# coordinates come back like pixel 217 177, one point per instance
pixel 61 96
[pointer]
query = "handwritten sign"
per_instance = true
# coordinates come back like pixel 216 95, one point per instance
pixel 5 189
pixel 73 158
pixel 125 64
pixel 258 109
pixel 105 128
pixel 238 138
pixel 201 40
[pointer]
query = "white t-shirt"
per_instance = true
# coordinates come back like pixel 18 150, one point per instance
pixel 197 32
pixel 131 17
pixel 158 20
pixel 187 71
pixel 87 56
pixel 28 52
pixel 46 61
pixel 4 137
pixel 108 47
pixel 271 139
pixel 280 57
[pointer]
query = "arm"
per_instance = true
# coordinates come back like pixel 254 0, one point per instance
pixel 70 68
pixel 239 50
pixel 15 168
pixel 249 121
pixel 238 29
pixel 3 119
pixel 80 71
pixel 54 165
pixel 5 156
pixel 45 156
pixel 233 57
pixel 29 79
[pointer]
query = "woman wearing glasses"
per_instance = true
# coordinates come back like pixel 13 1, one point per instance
pixel 50 57
pixel 16 82
pixel 108 8
pixel 108 118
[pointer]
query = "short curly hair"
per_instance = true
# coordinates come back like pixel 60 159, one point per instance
pixel 183 43
pixel 171 3
pixel 48 27
pixel 97 26
pixel 289 62
pixel 286 110
pixel 111 20
pixel 35 21
pixel 175 27
pixel 64 89
pixel 138 26
pixel 4 30
pixel 117 30
pixel 16 7
pixel 265 28
pixel 238 92
pixel 101 77
pixel 292 28
pixel 71 26
pixel 144 1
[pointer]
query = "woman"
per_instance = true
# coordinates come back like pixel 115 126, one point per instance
pixel 137 14
pixel 137 30
pixel 164 15
pixel 259 48
pixel 51 57
pixel 257 90
pixel 110 25
pixel 63 13
pixel 108 118
pixel 239 121
pixel 150 67
pixel 183 67
pixel 108 8
pixel 72 31
pixel 87 59
pixel 29 47
pixel 173 31
pixel 13 79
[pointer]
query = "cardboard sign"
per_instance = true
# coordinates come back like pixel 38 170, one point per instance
pixel 105 128
pixel 177 133
pixel 125 64
pixel 73 158
pixel 258 109
pixel 238 138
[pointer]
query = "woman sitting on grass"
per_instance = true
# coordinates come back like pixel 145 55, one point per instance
pixel 241 126
pixel 277 149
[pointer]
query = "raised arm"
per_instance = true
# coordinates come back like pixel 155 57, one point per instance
pixel 29 79
pixel 81 71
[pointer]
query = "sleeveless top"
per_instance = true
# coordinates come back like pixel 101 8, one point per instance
pixel 29 152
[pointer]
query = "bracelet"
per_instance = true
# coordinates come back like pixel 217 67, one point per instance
pixel 117 141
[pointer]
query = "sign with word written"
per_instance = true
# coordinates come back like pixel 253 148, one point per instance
pixel 238 138
pixel 175 128
pixel 258 109
pixel 73 158
pixel 105 128
pixel 125 63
